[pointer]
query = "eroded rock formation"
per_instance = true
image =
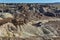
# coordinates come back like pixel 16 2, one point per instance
pixel 29 20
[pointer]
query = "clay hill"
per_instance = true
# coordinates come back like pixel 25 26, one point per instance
pixel 29 21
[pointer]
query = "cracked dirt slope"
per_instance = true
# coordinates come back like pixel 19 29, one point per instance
pixel 27 30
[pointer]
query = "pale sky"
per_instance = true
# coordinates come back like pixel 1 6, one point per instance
pixel 28 1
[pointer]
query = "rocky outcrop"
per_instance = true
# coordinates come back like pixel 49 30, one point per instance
pixel 6 15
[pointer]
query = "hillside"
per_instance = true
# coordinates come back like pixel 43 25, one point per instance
pixel 29 21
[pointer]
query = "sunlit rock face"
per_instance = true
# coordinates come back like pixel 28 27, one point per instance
pixel 28 30
pixel 6 15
